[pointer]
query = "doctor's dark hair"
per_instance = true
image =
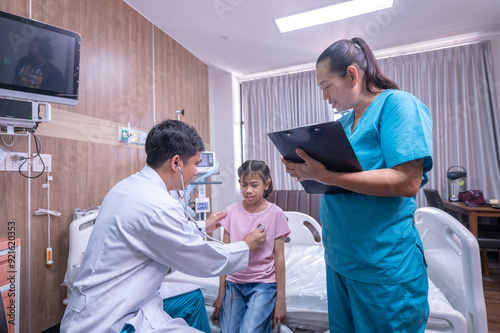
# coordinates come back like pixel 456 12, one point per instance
pixel 345 52
pixel 170 138
pixel 257 168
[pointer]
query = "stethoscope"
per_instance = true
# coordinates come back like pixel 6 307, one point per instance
pixel 186 213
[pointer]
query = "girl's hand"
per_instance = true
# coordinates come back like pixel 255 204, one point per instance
pixel 217 307
pixel 309 170
pixel 279 314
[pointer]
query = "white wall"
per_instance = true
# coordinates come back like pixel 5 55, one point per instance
pixel 225 113
pixel 225 137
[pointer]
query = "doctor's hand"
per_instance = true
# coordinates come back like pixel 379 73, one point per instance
pixel 309 170
pixel 213 221
pixel 255 239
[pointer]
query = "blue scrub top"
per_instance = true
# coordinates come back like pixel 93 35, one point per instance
pixel 373 239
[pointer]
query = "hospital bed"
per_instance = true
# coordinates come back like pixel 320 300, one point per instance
pixel 456 296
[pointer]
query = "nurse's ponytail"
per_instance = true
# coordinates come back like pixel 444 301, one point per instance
pixel 345 52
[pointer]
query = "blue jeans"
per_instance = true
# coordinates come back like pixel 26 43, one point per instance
pixel 248 307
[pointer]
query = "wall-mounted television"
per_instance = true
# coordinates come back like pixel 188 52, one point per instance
pixel 38 62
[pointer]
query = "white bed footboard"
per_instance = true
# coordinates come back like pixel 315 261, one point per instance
pixel 454 266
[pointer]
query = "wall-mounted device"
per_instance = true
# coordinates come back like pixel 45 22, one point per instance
pixel 16 113
pixel 202 207
pixel 207 162
pixel 38 61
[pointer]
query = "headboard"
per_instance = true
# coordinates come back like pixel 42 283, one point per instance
pixel 297 201
pixel 79 234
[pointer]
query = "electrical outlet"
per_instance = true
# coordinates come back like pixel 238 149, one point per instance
pixel 12 162
pixel 123 134
pixel 142 137
pixel 37 163
pixel 134 136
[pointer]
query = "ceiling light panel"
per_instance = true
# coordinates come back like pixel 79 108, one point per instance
pixel 331 13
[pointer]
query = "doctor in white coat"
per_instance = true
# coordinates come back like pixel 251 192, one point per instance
pixel 142 232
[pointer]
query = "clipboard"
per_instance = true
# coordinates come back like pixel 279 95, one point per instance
pixel 326 143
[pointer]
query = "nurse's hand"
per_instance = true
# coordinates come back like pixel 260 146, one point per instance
pixel 309 170
pixel 213 221
pixel 255 239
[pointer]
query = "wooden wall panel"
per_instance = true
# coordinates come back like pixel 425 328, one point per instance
pixel 14 207
pixel 116 87
pixel 83 173
pixel 116 78
pixel 17 7
pixel 181 83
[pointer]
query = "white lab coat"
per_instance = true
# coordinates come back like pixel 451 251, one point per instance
pixel 140 233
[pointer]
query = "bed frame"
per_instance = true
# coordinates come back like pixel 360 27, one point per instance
pixel 79 234
pixel 456 295
pixel 454 266
pixel 297 201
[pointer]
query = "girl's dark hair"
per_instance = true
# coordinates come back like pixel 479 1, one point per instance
pixel 259 168
pixel 170 138
pixel 345 52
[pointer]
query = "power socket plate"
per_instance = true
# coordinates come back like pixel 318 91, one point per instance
pixel 37 163
pixel 11 165
pixel 123 134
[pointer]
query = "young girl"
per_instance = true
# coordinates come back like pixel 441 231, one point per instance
pixel 248 297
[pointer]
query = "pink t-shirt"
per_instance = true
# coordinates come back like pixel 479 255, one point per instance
pixel 238 223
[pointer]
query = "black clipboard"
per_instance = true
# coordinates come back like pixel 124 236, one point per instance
pixel 326 143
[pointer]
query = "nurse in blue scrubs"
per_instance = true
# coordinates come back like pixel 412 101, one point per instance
pixel 376 270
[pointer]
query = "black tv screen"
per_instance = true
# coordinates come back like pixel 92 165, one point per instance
pixel 38 61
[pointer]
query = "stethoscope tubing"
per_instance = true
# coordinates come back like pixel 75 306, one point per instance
pixel 186 213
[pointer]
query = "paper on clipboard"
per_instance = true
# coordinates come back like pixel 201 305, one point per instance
pixel 326 143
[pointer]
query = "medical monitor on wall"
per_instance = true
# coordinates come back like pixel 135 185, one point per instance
pixel 38 62
pixel 207 163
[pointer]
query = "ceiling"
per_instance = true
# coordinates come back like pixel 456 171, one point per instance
pixel 240 36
